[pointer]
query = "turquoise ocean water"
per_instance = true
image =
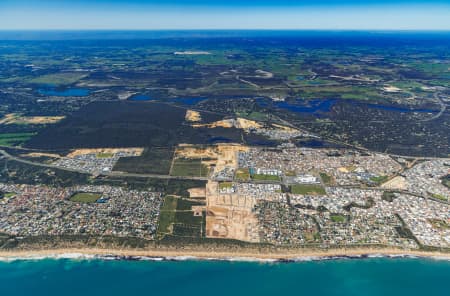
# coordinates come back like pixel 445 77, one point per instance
pixel 375 276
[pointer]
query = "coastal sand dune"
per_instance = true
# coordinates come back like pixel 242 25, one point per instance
pixel 250 255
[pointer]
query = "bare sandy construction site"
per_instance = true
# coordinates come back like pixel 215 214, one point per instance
pixel 218 156
pixel 239 123
pixel 84 151
pixel 14 118
pixel 397 183
pixel 230 215
pixel 193 116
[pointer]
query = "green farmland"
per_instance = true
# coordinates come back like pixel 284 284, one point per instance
pixel 189 168
pixel 14 139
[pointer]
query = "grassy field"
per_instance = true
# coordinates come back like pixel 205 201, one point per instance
pixel 337 218
pixel 186 205
pixel 253 115
pixel 379 179
pixel 326 178
pixel 152 161
pixel 439 224
pixel 388 196
pixel 177 218
pixel 6 195
pixel 167 215
pixel 180 187
pixel 14 139
pixel 242 174
pixel 104 155
pixel 439 196
pixel 260 177
pixel 224 185
pixel 19 119
pixel 308 189
pixel 446 182
pixel 58 78
pixel 85 197
pixel 186 224
pixel 189 167
pixel 187 218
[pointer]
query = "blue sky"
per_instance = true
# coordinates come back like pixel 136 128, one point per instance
pixel 221 14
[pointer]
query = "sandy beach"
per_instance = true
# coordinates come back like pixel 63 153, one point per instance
pixel 223 255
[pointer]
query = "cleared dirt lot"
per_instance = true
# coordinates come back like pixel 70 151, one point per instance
pixel 14 118
pixel 193 116
pixel 77 152
pixel 219 156
pixel 397 183
pixel 198 192
pixel 239 123
pixel 230 216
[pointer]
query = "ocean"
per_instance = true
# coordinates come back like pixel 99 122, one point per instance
pixel 372 276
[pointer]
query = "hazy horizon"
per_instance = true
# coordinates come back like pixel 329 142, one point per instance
pixel 224 15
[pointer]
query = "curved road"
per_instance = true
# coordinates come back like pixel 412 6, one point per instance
pixel 168 177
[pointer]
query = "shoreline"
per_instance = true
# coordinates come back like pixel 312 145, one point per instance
pixel 169 255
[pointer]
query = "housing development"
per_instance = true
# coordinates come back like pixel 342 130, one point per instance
pixel 100 210
pixel 331 197
pixel 318 198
